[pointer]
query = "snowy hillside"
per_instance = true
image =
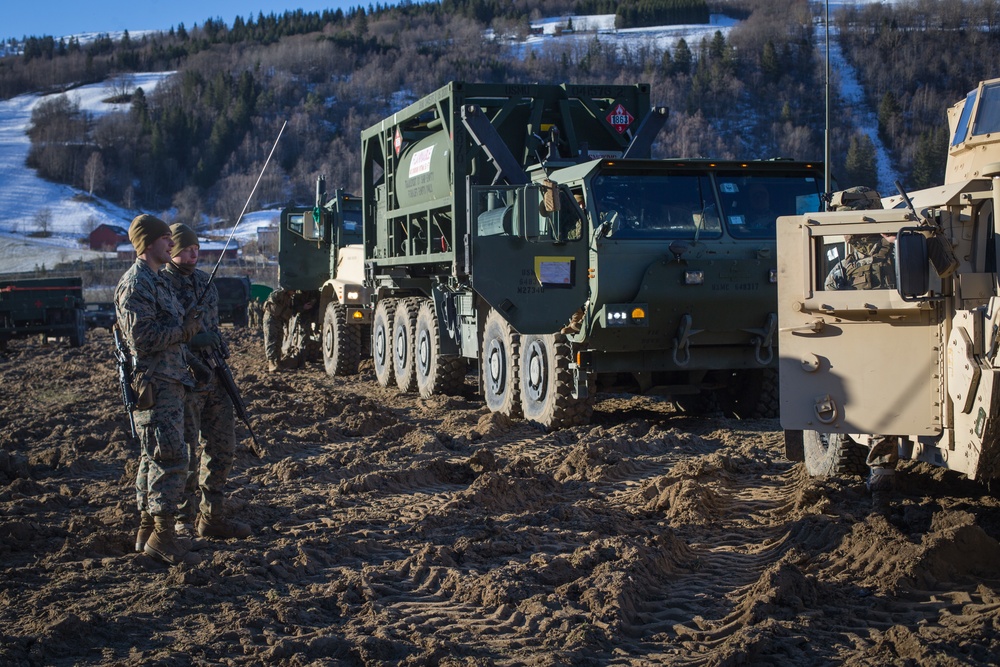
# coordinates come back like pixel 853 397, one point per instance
pixel 72 215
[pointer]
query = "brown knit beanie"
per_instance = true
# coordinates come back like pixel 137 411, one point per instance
pixel 145 230
pixel 184 237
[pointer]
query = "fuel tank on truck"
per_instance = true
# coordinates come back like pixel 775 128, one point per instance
pixel 425 171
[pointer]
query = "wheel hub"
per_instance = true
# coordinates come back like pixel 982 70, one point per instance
pixel 537 371
pixel 495 365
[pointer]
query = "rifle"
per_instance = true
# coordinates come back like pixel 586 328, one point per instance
pixel 216 360
pixel 125 371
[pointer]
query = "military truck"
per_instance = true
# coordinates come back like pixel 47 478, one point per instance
pixel 42 306
pixel 917 361
pixel 234 298
pixel 526 230
pixel 320 254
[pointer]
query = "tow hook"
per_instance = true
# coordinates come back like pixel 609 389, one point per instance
pixel 682 344
pixel 762 340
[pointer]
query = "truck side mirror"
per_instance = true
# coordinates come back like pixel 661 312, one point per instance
pixel 912 266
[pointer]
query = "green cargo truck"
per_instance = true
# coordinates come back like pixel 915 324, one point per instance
pixel 42 306
pixel 525 229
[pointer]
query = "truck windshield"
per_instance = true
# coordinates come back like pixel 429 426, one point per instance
pixel 656 205
pixel 752 202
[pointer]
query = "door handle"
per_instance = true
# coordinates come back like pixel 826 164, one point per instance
pixel 815 326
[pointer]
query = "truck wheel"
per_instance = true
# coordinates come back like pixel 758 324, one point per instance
pixel 78 336
pixel 833 454
pixel 546 383
pixel 341 342
pixel 500 367
pixel 404 325
pixel 436 373
pixel 385 310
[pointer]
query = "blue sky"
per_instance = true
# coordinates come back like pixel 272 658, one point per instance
pixel 71 17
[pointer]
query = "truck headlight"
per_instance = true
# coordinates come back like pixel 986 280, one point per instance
pixel 694 277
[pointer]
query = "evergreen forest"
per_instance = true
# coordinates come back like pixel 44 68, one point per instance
pixel 198 141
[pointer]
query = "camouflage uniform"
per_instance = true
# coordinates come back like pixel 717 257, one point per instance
pixel 869 264
pixel 290 328
pixel 210 412
pixel 151 320
pixel 278 311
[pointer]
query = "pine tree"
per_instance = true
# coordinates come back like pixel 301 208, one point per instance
pixel 861 167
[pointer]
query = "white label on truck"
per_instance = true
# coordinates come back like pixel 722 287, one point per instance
pixel 421 162
pixel 554 270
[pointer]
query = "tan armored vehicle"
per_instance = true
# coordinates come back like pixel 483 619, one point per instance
pixel 889 319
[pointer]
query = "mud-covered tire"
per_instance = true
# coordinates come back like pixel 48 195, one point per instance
pixel 546 384
pixel 436 373
pixel 404 325
pixel 341 342
pixel 794 446
pixel 751 394
pixel 78 336
pixel 500 366
pixel 381 344
pixel 833 454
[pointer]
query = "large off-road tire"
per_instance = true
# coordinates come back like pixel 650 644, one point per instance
pixel 382 318
pixel 404 327
pixel 78 336
pixel 500 366
pixel 751 394
pixel 833 454
pixel 436 373
pixel 546 384
pixel 341 342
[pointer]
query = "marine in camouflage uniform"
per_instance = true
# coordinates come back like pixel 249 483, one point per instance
pixel 155 328
pixel 209 419
pixel 289 316
pixel 869 264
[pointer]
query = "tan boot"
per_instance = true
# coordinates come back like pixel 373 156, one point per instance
pixel 222 528
pixel 146 526
pixel 272 366
pixel 163 544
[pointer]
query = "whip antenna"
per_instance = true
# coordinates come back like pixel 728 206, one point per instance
pixel 245 206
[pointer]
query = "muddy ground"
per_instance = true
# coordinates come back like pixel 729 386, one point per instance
pixel 390 530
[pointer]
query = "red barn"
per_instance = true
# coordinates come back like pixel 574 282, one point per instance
pixel 107 237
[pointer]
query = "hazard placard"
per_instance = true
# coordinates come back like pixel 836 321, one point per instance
pixel 620 118
pixel 397 141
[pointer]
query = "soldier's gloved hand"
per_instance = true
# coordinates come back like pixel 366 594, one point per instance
pixel 204 340
pixel 192 324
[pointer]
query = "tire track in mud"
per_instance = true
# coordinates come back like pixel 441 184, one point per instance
pixel 524 573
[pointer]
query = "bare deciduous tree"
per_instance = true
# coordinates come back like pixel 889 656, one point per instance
pixel 93 173
pixel 120 87
pixel 43 221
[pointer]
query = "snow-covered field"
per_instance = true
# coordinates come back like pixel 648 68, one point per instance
pixel 23 195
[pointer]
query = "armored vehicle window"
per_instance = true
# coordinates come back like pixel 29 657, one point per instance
pixel 963 122
pixel 752 202
pixel 858 262
pixel 295 223
pixel 988 114
pixel 656 205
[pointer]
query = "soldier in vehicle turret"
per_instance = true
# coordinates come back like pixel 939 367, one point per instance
pixel 870 264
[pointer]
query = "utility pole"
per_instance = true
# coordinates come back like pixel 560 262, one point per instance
pixel 826 142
